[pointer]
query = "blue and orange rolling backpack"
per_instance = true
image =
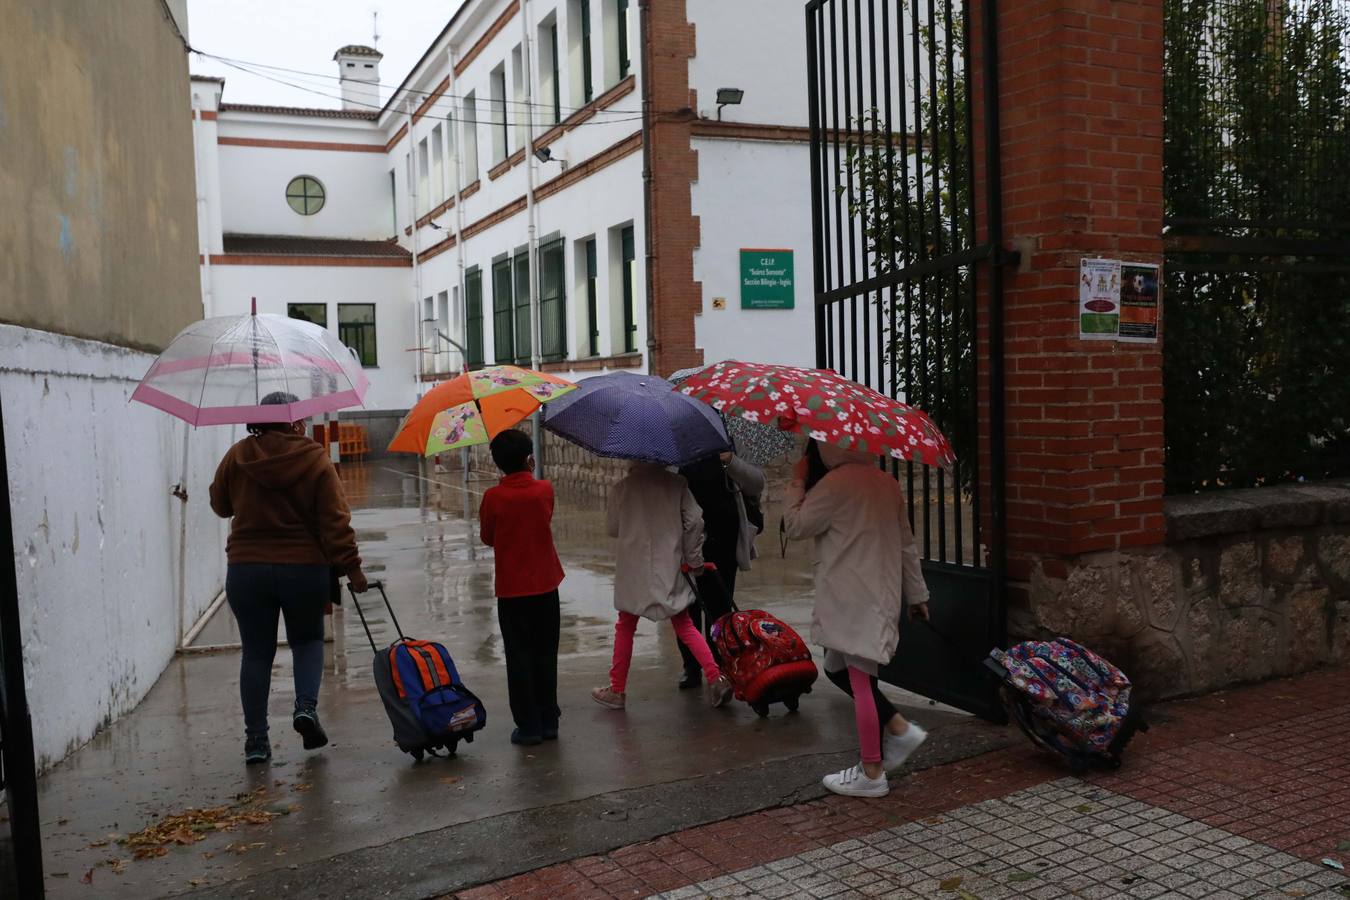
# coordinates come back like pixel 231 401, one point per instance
pixel 428 704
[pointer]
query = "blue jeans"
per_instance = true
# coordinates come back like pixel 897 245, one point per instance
pixel 258 593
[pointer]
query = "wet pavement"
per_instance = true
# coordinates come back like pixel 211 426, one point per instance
pixel 182 747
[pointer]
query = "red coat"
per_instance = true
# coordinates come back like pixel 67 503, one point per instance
pixel 515 520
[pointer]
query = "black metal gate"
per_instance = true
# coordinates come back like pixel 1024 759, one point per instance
pixel 20 834
pixel 908 290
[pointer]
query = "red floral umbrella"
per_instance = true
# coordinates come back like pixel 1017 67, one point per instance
pixel 823 405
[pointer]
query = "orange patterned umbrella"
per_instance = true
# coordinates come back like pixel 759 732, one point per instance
pixel 474 408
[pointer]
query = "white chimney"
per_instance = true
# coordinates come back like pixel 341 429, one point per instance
pixel 359 73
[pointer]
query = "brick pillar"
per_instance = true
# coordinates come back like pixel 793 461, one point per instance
pixel 1080 93
pixel 676 297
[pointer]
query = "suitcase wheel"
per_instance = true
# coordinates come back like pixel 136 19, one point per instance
pixel 761 709
pixel 792 703
pixel 453 747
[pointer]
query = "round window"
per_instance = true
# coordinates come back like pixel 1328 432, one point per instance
pixel 305 195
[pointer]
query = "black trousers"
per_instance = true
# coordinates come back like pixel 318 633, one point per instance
pixel 718 605
pixel 885 709
pixel 530 627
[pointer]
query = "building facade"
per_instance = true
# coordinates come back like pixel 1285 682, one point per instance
pixel 514 152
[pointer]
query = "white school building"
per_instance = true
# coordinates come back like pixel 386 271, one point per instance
pixel 404 224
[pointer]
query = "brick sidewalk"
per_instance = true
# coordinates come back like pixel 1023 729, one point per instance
pixel 1237 794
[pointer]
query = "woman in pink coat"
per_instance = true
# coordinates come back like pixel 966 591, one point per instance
pixel 867 570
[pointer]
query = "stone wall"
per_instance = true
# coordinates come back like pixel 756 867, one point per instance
pixel 1252 584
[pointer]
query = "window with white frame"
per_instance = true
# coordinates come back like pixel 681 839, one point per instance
pixel 469 139
pixel 618 54
pixel 550 82
pixel 497 102
pixel 623 287
pixel 437 165
pixel 423 177
pixel 517 108
pixel 588 281
pixel 579 59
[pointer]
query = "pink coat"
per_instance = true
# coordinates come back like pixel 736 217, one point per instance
pixel 659 525
pixel 866 560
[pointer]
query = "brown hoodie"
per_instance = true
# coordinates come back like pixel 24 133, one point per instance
pixel 287 504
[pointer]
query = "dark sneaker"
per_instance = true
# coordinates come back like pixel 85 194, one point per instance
pixel 257 749
pixel 306 722
pixel 692 679
pixel 550 733
pixel 524 739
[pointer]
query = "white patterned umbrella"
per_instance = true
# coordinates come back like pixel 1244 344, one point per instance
pixel 217 371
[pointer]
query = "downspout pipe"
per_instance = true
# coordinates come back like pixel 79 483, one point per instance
pixel 648 239
pixel 531 212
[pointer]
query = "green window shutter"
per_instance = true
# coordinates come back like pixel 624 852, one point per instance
pixel 503 332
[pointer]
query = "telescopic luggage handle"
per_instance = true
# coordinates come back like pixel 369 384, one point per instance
pixel 685 570
pixel 378 585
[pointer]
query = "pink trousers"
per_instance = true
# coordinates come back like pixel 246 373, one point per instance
pixel 684 630
pixel 865 715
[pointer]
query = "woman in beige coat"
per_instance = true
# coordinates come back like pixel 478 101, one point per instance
pixel 660 530
pixel 867 568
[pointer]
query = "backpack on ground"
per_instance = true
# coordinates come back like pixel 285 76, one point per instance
pixel 765 660
pixel 427 703
pixel 1068 700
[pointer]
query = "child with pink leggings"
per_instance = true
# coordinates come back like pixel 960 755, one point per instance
pixel 867 572
pixel 659 527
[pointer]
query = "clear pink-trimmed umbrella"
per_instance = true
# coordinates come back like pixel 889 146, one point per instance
pixel 217 371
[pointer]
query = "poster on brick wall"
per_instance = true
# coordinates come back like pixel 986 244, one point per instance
pixel 1099 299
pixel 1139 290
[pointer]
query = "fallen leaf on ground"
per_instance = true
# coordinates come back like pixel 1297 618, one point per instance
pixel 966 895
pixel 60 874
pixel 949 884
pixel 1084 808
pixel 116 865
pixel 452 779
pixel 932 820
pixel 196 881
pixel 1343 845
pixel 193 825
pixel 303 787
pixel 1016 877
pixel 98 844
pixel 87 877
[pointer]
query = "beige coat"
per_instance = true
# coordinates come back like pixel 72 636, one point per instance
pixel 866 558
pixel 660 528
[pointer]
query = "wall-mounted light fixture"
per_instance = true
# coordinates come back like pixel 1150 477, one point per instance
pixel 728 97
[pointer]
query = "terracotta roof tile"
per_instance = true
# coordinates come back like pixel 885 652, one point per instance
pixel 366 114
pixel 358 50
pixel 284 245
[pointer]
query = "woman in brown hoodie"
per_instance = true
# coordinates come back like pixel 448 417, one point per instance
pixel 291 529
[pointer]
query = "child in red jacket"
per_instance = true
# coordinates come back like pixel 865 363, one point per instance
pixel 515 520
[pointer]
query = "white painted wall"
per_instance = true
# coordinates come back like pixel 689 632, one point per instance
pixel 756 45
pixel 753 194
pixel 356 186
pixel 392 384
pixel 96 531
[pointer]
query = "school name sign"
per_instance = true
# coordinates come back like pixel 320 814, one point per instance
pixel 767 279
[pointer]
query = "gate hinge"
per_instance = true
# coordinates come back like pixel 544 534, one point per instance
pixel 1008 256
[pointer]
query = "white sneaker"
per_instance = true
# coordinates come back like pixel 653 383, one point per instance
pixel 896 748
pixel 855 783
